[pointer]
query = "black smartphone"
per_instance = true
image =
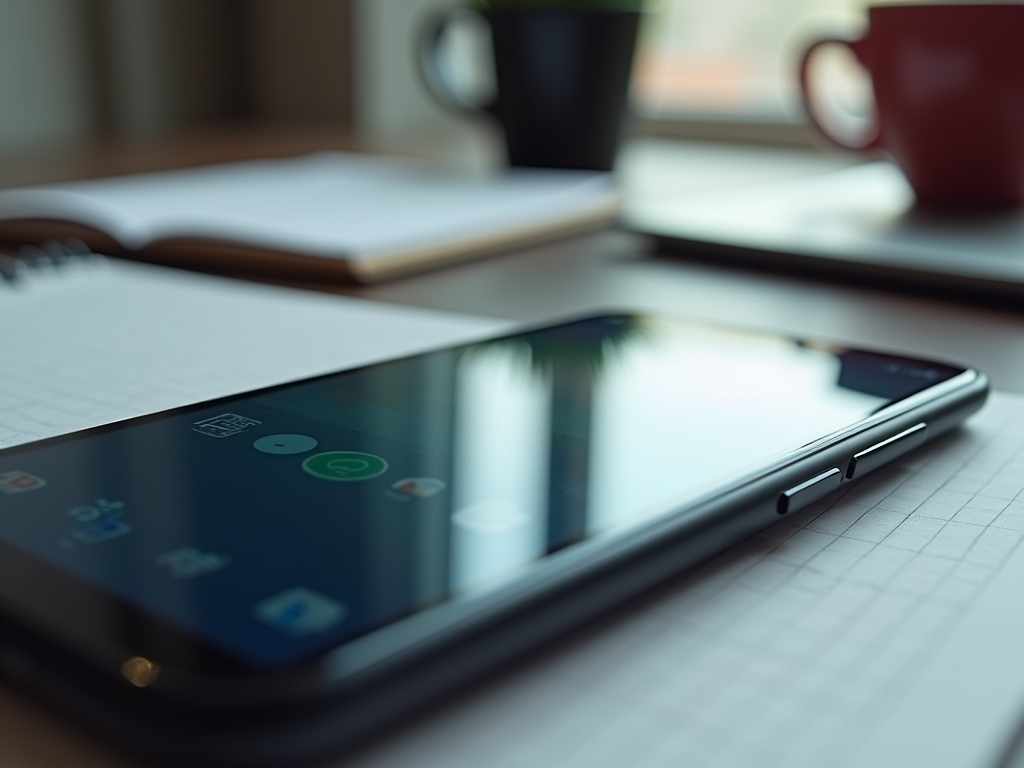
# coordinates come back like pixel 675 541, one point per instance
pixel 264 578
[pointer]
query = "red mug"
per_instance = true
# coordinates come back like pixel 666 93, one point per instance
pixel 949 94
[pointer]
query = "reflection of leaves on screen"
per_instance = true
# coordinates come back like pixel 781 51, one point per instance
pixel 583 348
pixel 616 4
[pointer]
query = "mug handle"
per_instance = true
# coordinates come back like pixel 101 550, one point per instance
pixel 432 73
pixel 858 46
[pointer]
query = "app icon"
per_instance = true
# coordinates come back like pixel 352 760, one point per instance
pixel 490 517
pixel 345 465
pixel 102 530
pixel 19 482
pixel 190 562
pixel 96 510
pixel 416 488
pixel 285 444
pixel 225 425
pixel 98 522
pixel 300 612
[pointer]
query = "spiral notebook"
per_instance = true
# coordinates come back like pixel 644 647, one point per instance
pixel 331 215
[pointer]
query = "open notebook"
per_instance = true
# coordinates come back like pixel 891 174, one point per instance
pixel 328 215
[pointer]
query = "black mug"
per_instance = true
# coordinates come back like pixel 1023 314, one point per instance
pixel 562 82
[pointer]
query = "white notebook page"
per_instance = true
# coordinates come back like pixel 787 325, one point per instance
pixel 99 340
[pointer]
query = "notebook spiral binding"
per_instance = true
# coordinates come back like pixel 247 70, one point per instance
pixel 50 255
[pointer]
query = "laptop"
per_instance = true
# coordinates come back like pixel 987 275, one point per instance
pixel 857 223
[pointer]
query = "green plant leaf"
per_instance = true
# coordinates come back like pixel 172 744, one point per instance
pixel 610 4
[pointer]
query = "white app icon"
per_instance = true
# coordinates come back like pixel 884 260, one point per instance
pixel 490 517
pixel 225 425
pixel 191 562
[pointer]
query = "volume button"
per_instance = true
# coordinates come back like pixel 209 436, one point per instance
pixel 887 450
pixel 810 490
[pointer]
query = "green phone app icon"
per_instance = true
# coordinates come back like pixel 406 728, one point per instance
pixel 345 466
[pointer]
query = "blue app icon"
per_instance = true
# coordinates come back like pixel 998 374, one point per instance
pixel 102 530
pixel 300 612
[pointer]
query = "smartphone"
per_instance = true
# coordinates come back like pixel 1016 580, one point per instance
pixel 264 578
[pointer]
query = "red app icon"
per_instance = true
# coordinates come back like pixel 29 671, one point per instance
pixel 19 482
pixel 417 488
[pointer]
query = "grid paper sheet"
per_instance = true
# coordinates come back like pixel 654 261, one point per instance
pixel 846 634
pixel 96 340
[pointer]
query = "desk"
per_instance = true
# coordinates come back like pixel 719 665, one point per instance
pixel 600 271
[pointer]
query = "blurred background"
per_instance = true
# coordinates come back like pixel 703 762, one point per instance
pixel 77 71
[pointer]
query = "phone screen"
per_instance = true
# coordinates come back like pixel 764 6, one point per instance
pixel 276 525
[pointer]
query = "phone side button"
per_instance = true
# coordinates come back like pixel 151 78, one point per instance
pixel 887 450
pixel 810 490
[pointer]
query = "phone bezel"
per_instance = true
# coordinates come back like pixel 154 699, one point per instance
pixel 216 680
